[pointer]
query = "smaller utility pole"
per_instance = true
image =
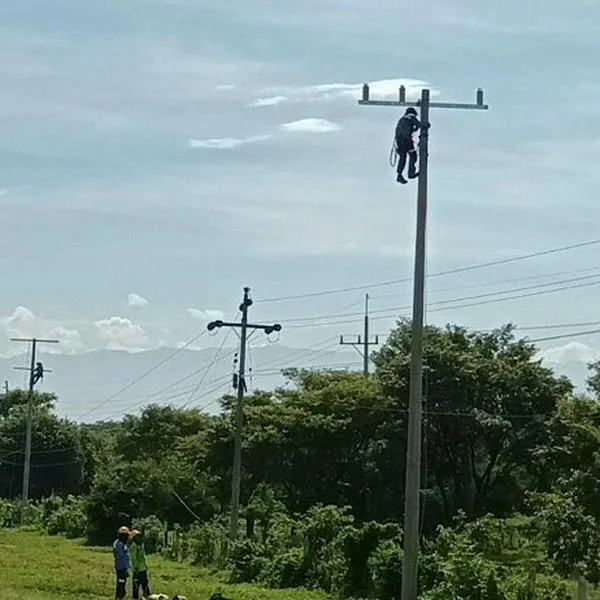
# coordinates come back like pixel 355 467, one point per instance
pixel 244 326
pixel 365 342
pixel 36 372
pixel 6 390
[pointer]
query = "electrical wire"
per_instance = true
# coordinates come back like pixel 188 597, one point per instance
pixel 485 284
pixel 512 291
pixel 444 305
pixel 143 375
pixel 211 364
pixel 453 271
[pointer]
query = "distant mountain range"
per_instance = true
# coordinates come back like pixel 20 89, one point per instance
pixel 107 384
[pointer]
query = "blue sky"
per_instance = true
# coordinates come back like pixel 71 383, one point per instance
pixel 157 155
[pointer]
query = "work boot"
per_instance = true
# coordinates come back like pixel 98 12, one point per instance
pixel 400 179
pixel 413 175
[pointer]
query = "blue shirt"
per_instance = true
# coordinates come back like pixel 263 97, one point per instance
pixel 121 554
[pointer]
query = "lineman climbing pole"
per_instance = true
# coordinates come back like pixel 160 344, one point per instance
pixel 239 408
pixel 36 373
pixel 415 410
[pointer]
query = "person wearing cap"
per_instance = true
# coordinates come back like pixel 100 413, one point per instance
pixel 122 562
pixel 139 567
pixel 404 145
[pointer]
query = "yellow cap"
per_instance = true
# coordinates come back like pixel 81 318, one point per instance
pixel 133 533
pixel 123 530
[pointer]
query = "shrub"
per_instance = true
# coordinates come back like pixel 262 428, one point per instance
pixel 385 566
pixel 286 570
pixel 154 533
pixel 205 544
pixel 69 518
pixel 247 561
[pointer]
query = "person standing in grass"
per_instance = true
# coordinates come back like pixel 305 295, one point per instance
pixel 122 562
pixel 139 565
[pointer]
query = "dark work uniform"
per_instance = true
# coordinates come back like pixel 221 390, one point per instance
pixel 405 146
pixel 122 565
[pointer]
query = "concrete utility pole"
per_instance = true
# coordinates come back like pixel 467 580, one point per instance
pixel 415 415
pixel 6 390
pixel 365 342
pixel 244 326
pixel 36 372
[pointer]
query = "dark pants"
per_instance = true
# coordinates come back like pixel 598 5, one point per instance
pixel 406 149
pixel 140 580
pixel 121 591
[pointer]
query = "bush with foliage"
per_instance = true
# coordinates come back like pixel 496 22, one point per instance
pixel 385 566
pixel 154 533
pixel 64 517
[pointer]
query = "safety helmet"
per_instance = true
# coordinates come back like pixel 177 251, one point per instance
pixel 123 530
pixel 411 111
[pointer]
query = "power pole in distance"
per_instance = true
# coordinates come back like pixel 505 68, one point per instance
pixel 36 372
pixel 415 413
pixel 6 390
pixel 365 342
pixel 244 326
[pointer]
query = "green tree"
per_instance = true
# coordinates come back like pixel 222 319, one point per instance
pixel 157 467
pixel 488 400
pixel 593 382
pixel 60 457
pixel 158 431
pixel 323 442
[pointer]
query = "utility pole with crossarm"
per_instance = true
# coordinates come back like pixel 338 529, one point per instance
pixel 36 373
pixel 244 326
pixel 365 342
pixel 415 410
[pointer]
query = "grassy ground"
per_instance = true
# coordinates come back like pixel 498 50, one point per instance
pixel 36 567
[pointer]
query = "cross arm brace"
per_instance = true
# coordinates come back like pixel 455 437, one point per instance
pixel 463 105
pixel 266 328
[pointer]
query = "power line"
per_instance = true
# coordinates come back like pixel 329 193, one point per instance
pixel 484 284
pixel 565 336
pixel 557 326
pixel 449 304
pixel 211 364
pixel 143 375
pixel 512 290
pixel 453 271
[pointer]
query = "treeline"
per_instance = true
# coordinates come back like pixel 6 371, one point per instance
pixel 323 469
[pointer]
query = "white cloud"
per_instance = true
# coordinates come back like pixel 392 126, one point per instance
pixel 69 340
pixel 135 300
pixel 119 333
pixel 272 101
pixel 24 323
pixel 569 353
pixel 205 315
pixel 227 143
pixel 310 125
pixel 20 315
pixel 383 89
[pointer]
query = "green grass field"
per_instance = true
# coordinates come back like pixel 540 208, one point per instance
pixel 37 567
